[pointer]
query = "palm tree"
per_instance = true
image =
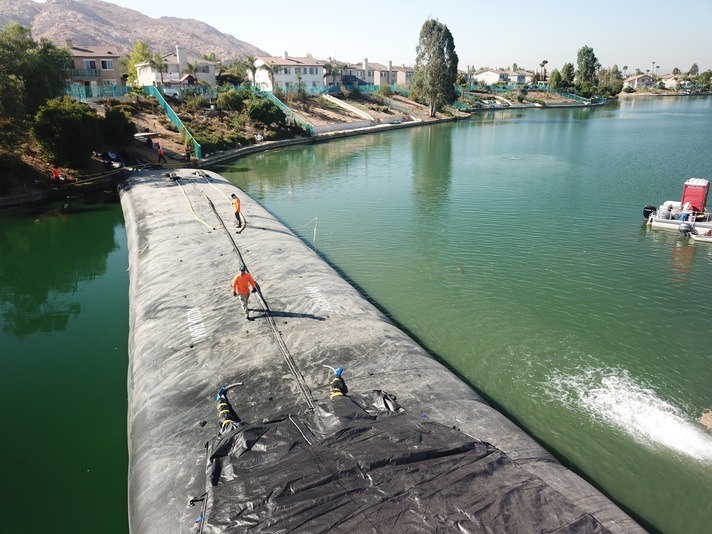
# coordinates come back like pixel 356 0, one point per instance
pixel 271 69
pixel 192 68
pixel 159 63
pixel 329 70
pixel 249 63
pixel 625 69
pixel 543 69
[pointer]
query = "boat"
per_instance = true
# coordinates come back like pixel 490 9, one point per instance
pixel 691 209
pixel 702 238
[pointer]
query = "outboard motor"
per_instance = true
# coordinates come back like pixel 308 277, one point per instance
pixel 648 211
pixel 686 229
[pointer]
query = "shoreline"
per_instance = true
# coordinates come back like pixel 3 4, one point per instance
pixel 112 178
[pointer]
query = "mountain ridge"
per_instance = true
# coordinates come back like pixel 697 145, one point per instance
pixel 95 22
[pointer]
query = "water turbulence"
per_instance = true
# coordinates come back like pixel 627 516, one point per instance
pixel 613 397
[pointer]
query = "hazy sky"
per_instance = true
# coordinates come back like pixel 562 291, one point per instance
pixel 631 33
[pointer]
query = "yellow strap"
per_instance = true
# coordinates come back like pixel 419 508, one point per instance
pixel 338 393
pixel 191 206
pixel 227 421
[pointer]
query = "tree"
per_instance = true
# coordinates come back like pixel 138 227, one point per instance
pixel 118 127
pixel 610 81
pixel 67 132
pixel 543 69
pixel 694 70
pixel 567 75
pixel 330 70
pixel 555 79
pixel 271 69
pixel 435 67
pixel 588 66
pixel 30 72
pixel 625 70
pixel 191 68
pixel 140 54
pixel 159 63
pixel 234 73
pixel 249 64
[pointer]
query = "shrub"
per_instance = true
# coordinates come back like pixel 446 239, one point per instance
pixel 118 127
pixel 67 132
pixel 385 90
pixel 265 112
pixel 231 100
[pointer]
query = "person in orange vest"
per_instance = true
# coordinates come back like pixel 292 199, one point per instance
pixel 55 174
pixel 160 154
pixel 241 286
pixel 236 207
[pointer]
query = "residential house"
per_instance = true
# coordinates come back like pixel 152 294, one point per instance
pixel 94 66
pixel 639 81
pixel 671 81
pixel 404 75
pixel 490 76
pixel 175 71
pixel 367 73
pixel 287 72
pixel 494 76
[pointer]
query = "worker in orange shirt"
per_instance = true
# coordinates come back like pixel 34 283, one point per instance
pixel 236 207
pixel 160 154
pixel 241 286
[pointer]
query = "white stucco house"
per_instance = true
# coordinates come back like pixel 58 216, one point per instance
pixel 671 81
pixel 287 72
pixel 639 81
pixel 174 74
pixel 493 76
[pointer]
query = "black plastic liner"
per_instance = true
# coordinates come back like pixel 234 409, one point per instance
pixel 363 464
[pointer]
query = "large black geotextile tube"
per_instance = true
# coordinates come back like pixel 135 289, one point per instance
pixel 189 337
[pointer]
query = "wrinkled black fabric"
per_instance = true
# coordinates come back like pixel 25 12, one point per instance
pixel 362 464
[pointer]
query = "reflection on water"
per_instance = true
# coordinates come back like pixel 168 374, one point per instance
pixel 42 264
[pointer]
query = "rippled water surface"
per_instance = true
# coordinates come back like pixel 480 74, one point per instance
pixel 513 246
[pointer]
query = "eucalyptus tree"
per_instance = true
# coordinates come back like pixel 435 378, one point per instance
pixel 588 66
pixel 435 69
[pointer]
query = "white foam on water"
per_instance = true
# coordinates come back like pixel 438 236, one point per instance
pixel 613 396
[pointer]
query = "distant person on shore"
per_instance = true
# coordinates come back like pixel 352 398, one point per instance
pixel 241 286
pixel 188 149
pixel 160 154
pixel 56 174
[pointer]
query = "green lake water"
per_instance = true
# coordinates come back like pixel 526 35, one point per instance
pixel 511 245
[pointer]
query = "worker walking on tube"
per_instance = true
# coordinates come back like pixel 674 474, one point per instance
pixel 241 286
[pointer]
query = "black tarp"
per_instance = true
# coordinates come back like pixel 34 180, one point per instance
pixel 363 464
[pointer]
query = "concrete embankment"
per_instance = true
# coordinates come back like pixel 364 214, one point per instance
pixel 188 337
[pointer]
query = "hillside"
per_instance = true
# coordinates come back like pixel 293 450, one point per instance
pixel 93 22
